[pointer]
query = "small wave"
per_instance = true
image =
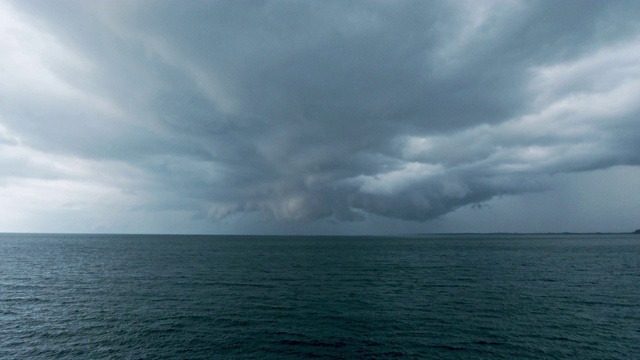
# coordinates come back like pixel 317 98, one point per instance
pixel 447 347
pixel 482 342
pixel 316 343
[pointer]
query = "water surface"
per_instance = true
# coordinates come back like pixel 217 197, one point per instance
pixel 437 296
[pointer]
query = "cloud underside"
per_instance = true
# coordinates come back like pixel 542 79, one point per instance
pixel 312 110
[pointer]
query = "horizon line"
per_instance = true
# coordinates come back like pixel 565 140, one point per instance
pixel 325 235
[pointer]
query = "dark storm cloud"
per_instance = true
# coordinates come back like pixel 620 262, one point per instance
pixel 305 110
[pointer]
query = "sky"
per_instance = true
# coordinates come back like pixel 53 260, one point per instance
pixel 319 117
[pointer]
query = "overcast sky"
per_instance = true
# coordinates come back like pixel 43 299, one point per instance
pixel 332 117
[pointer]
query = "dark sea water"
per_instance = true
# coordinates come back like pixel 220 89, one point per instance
pixel 430 297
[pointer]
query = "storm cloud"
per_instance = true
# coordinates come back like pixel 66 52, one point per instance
pixel 310 110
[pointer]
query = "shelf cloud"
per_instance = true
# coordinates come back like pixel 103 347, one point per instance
pixel 299 111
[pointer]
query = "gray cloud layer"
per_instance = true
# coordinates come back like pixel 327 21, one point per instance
pixel 304 110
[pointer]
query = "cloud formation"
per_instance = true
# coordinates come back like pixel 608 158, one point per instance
pixel 302 111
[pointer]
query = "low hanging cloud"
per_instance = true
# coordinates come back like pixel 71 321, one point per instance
pixel 304 110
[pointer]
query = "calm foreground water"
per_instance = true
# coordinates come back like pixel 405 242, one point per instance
pixel 200 297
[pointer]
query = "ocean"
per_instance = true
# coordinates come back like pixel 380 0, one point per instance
pixel 295 297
